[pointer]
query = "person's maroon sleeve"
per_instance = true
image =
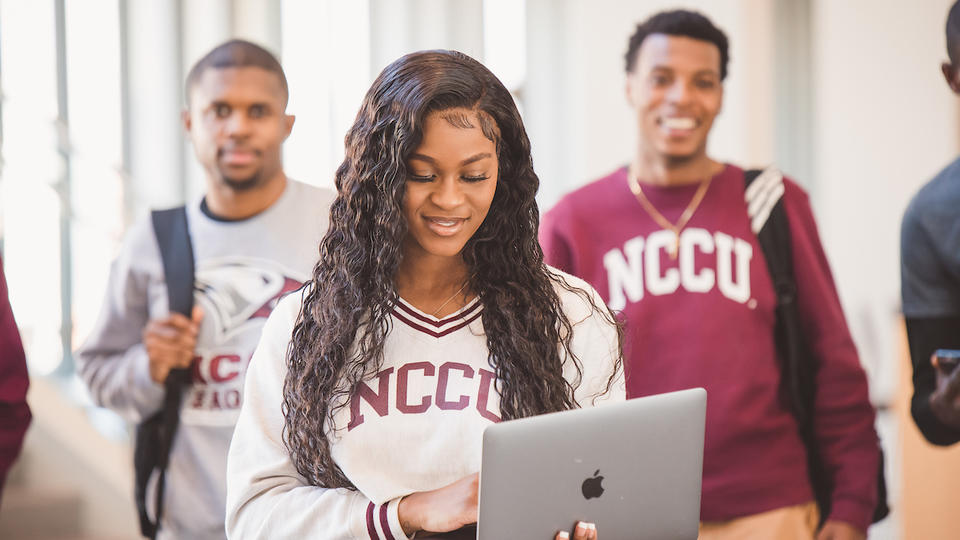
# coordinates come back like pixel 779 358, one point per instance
pixel 14 413
pixel 556 249
pixel 843 414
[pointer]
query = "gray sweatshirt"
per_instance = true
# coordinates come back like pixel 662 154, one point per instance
pixel 242 270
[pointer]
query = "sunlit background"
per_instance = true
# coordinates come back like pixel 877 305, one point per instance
pixel 845 95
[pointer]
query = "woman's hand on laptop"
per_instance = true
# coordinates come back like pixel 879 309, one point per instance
pixel 441 510
pixel 582 531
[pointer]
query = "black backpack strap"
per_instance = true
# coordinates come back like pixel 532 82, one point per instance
pixel 798 367
pixel 768 219
pixel 176 253
pixel 763 193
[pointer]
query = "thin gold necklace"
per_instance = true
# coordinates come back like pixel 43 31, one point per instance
pixel 447 301
pixel 655 214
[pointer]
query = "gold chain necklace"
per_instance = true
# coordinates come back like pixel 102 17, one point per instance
pixel 659 218
pixel 447 301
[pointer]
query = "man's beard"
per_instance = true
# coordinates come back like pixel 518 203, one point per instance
pixel 679 160
pixel 243 184
pixel 674 160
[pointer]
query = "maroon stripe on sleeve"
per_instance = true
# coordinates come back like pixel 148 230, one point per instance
pixel 384 524
pixel 371 526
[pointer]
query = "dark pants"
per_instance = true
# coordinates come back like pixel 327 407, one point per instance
pixel 467 533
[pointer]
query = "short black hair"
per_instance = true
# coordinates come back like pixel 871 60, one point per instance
pixel 953 34
pixel 679 22
pixel 234 54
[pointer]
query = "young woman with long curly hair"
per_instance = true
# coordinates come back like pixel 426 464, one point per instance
pixel 430 315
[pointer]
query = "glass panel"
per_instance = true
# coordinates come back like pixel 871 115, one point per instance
pixel 93 83
pixel 505 40
pixel 326 83
pixel 31 170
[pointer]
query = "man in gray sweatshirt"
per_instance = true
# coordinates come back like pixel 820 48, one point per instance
pixel 255 237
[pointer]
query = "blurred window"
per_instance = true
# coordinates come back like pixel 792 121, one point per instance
pixel 505 43
pixel 325 53
pixel 32 177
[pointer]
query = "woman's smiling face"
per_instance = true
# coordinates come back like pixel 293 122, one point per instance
pixel 451 183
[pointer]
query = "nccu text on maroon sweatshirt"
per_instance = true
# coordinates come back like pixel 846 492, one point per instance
pixel 707 319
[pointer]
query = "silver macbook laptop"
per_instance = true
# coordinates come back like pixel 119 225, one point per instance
pixel 633 468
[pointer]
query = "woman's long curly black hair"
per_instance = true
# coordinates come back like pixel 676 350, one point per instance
pixel 339 336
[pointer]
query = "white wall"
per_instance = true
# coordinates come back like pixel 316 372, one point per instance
pixel 153 76
pixel 326 56
pixel 402 26
pixel 885 123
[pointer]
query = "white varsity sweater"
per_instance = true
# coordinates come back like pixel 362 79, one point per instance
pixel 415 426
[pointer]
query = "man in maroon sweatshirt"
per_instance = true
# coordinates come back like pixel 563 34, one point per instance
pixel 670 242
pixel 14 413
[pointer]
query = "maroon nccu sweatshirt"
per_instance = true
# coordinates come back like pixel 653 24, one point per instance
pixel 14 413
pixel 706 318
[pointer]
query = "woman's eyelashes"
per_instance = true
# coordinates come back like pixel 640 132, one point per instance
pixel 423 178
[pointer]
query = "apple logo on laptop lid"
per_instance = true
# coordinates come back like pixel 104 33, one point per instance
pixel 592 487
